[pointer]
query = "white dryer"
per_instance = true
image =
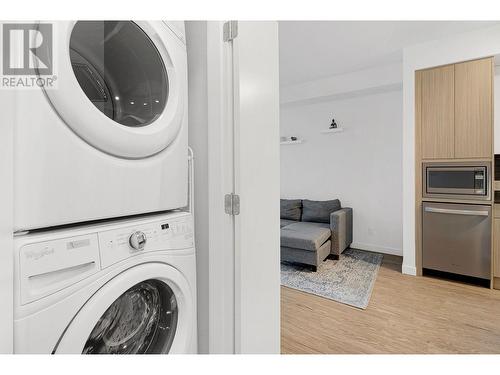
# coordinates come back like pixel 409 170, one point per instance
pixel 110 138
pixel 120 287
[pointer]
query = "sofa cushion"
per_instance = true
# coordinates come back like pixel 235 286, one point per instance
pixel 306 236
pixel 319 211
pixel 290 209
pixel 284 222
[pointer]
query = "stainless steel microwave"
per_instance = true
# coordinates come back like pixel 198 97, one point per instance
pixel 457 180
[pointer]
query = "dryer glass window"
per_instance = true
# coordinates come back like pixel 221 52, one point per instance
pixel 120 70
pixel 141 320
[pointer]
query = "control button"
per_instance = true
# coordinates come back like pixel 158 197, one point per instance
pixel 137 240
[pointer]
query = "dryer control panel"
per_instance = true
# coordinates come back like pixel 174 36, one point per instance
pixel 171 234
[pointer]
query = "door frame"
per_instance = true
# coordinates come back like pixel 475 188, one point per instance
pixel 237 322
pixel 220 182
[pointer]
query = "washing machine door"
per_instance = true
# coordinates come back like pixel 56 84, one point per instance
pixel 146 309
pixel 120 84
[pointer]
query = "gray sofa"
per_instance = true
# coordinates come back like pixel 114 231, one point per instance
pixel 313 230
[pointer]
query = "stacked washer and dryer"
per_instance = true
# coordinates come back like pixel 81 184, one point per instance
pixel 104 253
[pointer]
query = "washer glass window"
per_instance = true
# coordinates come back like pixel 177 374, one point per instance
pixel 141 320
pixel 120 70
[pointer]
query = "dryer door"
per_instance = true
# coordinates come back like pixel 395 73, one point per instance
pixel 120 84
pixel 146 309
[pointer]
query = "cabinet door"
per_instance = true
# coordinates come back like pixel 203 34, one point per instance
pixel 496 248
pixel 437 116
pixel 473 109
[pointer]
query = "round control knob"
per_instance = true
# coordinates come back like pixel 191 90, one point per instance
pixel 137 240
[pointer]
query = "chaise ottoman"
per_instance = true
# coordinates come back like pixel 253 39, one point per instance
pixel 304 242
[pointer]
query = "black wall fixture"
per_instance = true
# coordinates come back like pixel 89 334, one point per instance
pixel 333 125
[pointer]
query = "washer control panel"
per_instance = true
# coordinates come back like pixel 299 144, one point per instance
pixel 137 240
pixel 171 234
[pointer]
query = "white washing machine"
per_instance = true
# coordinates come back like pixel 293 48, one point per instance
pixel 127 286
pixel 110 138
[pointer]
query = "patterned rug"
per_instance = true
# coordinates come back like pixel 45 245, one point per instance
pixel 349 280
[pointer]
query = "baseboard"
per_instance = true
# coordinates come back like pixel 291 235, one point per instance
pixel 496 283
pixel 409 270
pixel 377 249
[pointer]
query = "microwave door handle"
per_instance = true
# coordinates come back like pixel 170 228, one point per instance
pixel 456 212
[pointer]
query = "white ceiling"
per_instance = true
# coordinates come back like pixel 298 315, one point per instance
pixel 314 49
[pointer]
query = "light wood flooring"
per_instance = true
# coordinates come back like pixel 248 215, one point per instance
pixel 406 314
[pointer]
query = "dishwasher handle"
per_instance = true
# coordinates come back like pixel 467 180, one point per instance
pixel 456 212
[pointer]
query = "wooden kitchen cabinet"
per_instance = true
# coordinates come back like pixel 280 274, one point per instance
pixel 456 111
pixel 438 112
pixel 473 109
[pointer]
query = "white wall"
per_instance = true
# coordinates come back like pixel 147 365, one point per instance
pixel 461 47
pixel 196 40
pixel 7 98
pixel 361 166
pixel 381 78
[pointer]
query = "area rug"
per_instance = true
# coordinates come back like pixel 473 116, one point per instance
pixel 348 280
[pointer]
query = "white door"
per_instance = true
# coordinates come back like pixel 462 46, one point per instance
pixel 257 182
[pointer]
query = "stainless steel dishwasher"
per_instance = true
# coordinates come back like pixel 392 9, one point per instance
pixel 457 238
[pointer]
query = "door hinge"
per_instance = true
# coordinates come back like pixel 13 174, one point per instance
pixel 232 204
pixel 230 30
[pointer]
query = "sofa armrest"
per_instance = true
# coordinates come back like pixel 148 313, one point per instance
pixel 341 227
